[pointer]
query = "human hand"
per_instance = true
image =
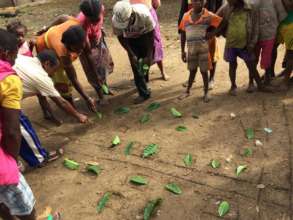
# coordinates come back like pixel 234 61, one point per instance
pixel 91 105
pixel 183 57
pixel 82 118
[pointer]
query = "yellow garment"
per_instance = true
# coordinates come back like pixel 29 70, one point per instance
pixel 286 35
pixel 11 92
pixel 62 83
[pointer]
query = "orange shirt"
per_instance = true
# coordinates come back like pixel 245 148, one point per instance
pixel 52 39
pixel 196 30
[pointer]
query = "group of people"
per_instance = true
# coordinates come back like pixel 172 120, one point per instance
pixel 43 67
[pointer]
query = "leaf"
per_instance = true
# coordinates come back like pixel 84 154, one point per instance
pixel 153 106
pixel 240 169
pixel 128 148
pixel 122 110
pixel 175 113
pixel 150 208
pixel 150 150
pixel 139 180
pixel 215 164
pixel 181 128
pixel 71 164
pixel 99 115
pixel 188 160
pixel 248 152
pixel 250 133
pixel 95 169
pixel 116 141
pixel 50 217
pixel 224 208
pixel 103 201
pixel 172 187
pixel 105 89
pixel 145 118
pixel 268 130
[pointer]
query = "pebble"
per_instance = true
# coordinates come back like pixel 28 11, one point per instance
pixel 260 186
pixel 232 116
pixel 258 143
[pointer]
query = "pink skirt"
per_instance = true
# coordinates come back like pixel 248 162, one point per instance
pixel 158 46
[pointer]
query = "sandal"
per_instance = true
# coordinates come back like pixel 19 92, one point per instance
pixel 54 155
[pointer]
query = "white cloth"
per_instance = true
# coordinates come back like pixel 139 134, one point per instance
pixel 143 23
pixel 35 79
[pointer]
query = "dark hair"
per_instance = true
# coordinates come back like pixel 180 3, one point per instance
pixel 8 41
pixel 91 8
pixel 48 55
pixel 14 25
pixel 73 36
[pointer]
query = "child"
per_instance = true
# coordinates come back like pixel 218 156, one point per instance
pixel 271 13
pixel 212 6
pixel 16 197
pixel 286 36
pixel 20 30
pixel 193 29
pixel 241 23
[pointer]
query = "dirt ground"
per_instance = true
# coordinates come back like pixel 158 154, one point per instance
pixel 214 135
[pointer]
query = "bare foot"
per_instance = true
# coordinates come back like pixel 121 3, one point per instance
pixel 251 88
pixel 206 98
pixel 233 92
pixel 165 77
pixel 184 96
pixel 211 85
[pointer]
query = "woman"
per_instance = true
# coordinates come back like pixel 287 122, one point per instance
pixel 68 40
pixel 91 18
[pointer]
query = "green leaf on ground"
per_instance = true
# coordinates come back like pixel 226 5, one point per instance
pixel 215 164
pixel 172 187
pixel 150 150
pixel 95 169
pixel 153 106
pixel 138 180
pixel 150 208
pixel 248 152
pixel 105 89
pixel 116 141
pixel 99 115
pixel 71 164
pixel 128 148
pixel 181 128
pixel 145 118
pixel 122 110
pixel 188 160
pixel 250 133
pixel 224 208
pixel 175 113
pixel 103 201
pixel 240 169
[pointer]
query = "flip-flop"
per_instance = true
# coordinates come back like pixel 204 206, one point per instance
pixel 54 155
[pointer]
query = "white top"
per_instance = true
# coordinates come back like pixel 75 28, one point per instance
pixel 144 23
pixel 34 78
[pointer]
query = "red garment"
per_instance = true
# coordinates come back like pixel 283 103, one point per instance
pixel 93 31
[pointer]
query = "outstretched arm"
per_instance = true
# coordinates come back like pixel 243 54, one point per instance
pixel 68 108
pixel 71 73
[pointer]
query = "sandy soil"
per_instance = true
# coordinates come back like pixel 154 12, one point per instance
pixel 214 135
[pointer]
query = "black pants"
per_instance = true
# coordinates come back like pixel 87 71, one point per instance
pixel 139 47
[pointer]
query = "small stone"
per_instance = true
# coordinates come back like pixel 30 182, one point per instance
pixel 260 186
pixel 229 159
pixel 138 217
pixel 258 143
pixel 232 116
